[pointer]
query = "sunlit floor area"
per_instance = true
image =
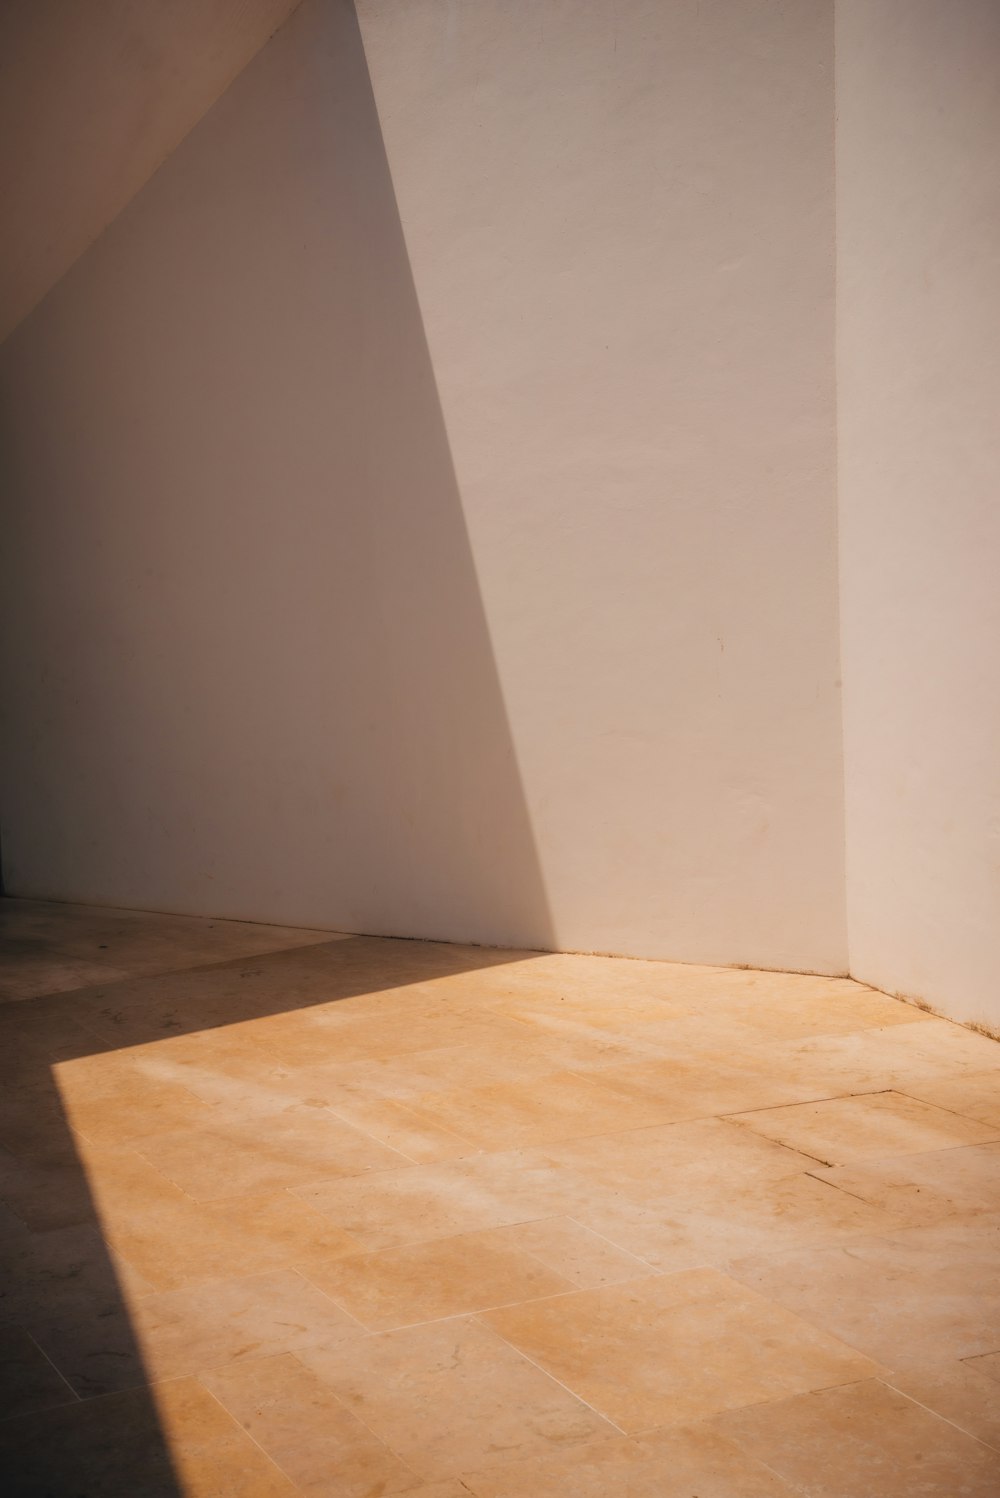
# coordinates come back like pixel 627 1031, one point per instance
pixel 290 1213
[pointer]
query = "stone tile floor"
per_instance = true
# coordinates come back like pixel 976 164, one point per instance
pixel 291 1213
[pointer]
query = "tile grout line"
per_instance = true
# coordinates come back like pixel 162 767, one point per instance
pixel 245 1430
pixel 74 1396
pixel 528 1359
pixel 938 1414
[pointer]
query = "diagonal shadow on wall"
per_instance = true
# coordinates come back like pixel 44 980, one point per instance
pixel 268 686
pixel 268 689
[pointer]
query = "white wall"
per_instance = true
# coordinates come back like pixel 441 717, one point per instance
pixel 267 653
pixel 919 385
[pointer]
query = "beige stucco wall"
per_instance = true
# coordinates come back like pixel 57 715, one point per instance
pixel 498 603
pixel 918 109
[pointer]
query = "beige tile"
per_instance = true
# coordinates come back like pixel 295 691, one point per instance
pixel 577 1253
pixel 27 975
pixel 160 1232
pixel 510 1115
pixel 328 1033
pixel 829 1007
pixel 403 1078
pixel 47 1274
pixel 425 1281
pixel 940 1044
pixel 456 1489
pixel 307 1432
pixel 925 1188
pixel 928 1293
pixel 664 1464
pixel 648 1164
pixel 838 1131
pixel 239 1156
pixel 715 1082
pixel 182 1332
pixel 963 1393
pixel 154 944
pixel 236 1062
pixel 403 1129
pixel 988 1363
pixel 228 1066
pixel 675 1348
pixel 279 1229
pixel 584 1049
pixel 451 1397
pixel 67 1183
pixel 130 1107
pixel 33 1123
pixel 137 942
pixel 35 1035
pixel 189 1243
pixel 179 1243
pixel 861 1441
pixel 896 1057
pixel 392 1207
pixel 731 1219
pixel 973 1094
pixel 28 1381
pixel 174 1439
pixel 101 1346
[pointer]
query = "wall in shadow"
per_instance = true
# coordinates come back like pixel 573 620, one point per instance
pixel 245 658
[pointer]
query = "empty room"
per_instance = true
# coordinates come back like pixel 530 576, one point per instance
pixel 500 755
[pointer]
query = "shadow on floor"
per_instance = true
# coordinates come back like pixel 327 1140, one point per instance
pixel 79 1419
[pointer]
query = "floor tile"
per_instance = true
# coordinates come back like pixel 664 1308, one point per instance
pixel 46 1194
pixel 730 1219
pixel 237 1156
pixel 425 1281
pixel 456 1489
pixel 864 1440
pixel 702 1086
pixel 832 1007
pixel 898 1057
pixel 175 1130
pixel 675 1348
pixel 664 1464
pixel 44 1276
pixel 279 1229
pixel 135 942
pixel 392 1207
pixel 575 1252
pixel 161 1443
pixel 973 1094
pixel 963 1393
pixel 26 974
pixel 402 1128
pixel 988 1363
pixel 452 1397
pixel 127 1106
pixel 307 1432
pixel 101 1346
pixel 929 1293
pixel 927 1187
pixel 188 1331
pixel 648 1164
pixel 838 1131
pixel 28 1381
pixel 510 1115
